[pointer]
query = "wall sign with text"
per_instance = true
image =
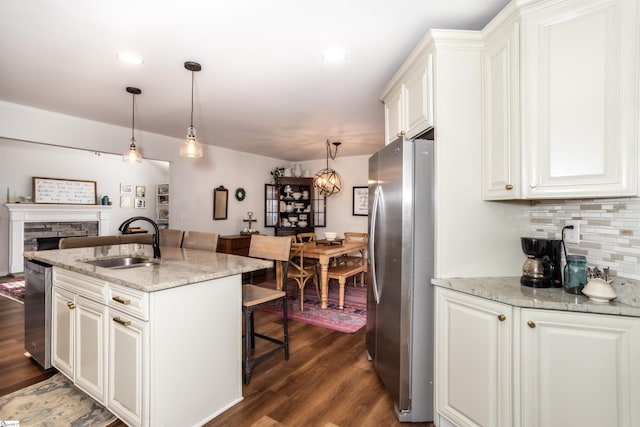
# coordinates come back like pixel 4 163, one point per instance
pixel 360 201
pixel 64 191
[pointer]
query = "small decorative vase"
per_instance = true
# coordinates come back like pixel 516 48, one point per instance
pixel 298 171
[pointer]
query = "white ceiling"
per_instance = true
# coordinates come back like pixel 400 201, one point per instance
pixel 263 87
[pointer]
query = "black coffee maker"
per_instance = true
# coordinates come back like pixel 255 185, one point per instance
pixel 541 269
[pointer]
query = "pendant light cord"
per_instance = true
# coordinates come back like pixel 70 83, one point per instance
pixel 191 98
pixel 133 114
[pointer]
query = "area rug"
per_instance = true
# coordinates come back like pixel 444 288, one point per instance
pixel 349 320
pixel 54 402
pixel 13 290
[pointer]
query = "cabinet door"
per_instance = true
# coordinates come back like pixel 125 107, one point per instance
pixel 90 346
pixel 128 368
pixel 393 116
pixel 501 142
pixel 473 360
pixel 418 97
pixel 580 99
pixel 580 369
pixel 63 331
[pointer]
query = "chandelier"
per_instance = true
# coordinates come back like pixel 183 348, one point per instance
pixel 327 181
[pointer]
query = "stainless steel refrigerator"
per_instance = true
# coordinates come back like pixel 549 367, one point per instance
pixel 399 331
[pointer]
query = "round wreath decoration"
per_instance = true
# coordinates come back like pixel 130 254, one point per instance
pixel 240 194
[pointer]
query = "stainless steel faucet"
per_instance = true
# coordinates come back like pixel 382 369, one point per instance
pixel 156 237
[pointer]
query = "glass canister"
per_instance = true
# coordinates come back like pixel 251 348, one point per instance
pixel 575 274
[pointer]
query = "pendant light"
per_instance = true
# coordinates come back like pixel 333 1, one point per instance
pixel 327 181
pixel 190 147
pixel 132 155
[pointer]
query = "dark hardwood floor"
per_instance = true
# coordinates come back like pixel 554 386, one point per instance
pixel 327 382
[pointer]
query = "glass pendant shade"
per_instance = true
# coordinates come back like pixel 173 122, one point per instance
pixel 190 146
pixel 327 182
pixel 132 155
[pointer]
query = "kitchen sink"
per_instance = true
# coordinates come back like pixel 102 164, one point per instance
pixel 123 262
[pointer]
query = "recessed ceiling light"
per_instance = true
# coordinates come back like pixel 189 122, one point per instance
pixel 130 58
pixel 334 54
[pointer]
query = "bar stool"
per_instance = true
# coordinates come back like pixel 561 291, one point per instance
pixel 276 249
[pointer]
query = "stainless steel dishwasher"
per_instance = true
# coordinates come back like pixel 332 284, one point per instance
pixel 37 311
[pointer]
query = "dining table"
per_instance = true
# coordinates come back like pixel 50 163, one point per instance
pixel 323 251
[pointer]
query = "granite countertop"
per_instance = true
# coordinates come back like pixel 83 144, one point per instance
pixel 177 267
pixel 508 290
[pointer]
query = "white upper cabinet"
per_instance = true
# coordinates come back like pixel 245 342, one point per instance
pixel 408 98
pixel 393 115
pixel 418 96
pixel 576 100
pixel 501 79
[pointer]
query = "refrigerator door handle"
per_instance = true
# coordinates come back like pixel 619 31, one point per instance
pixel 372 238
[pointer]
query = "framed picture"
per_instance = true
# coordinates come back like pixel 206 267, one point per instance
pixel 360 201
pixel 125 201
pixel 126 188
pixel 64 191
pixel 141 191
pixel 140 203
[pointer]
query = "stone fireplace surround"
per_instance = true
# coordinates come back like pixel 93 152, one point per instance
pixel 30 215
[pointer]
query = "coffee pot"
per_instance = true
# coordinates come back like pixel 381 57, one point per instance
pixel 541 269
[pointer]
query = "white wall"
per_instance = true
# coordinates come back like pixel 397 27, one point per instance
pixel 21 161
pixel 192 180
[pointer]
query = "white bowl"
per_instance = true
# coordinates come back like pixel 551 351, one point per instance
pixel 303 223
pixel 599 290
pixel 330 235
pixel 297 195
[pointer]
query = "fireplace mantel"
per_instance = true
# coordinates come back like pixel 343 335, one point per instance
pixel 21 213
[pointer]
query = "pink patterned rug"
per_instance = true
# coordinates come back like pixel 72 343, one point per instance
pixel 13 290
pixel 349 320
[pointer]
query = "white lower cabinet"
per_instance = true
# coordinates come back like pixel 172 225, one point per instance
pixel 63 331
pixel 128 367
pixel 78 330
pixel 473 360
pixel 171 357
pixel 498 365
pixel 579 369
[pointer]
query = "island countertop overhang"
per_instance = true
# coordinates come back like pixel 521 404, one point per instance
pixel 177 267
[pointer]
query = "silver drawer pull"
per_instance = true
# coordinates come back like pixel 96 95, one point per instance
pixel 122 322
pixel 121 300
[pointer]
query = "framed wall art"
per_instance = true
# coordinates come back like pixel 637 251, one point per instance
pixel 360 201
pixel 125 201
pixel 64 191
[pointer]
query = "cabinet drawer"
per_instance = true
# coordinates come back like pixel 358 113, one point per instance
pixel 88 287
pixel 130 301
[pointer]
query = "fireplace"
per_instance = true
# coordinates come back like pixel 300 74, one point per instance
pixel 28 221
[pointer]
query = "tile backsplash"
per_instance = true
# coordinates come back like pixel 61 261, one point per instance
pixel 609 231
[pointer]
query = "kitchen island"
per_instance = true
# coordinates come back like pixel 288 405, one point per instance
pixel 158 343
pixel 510 355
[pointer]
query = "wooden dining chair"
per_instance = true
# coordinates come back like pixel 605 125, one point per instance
pixel 302 271
pixel 306 237
pixel 355 258
pixel 171 238
pixel 201 241
pixel 276 249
